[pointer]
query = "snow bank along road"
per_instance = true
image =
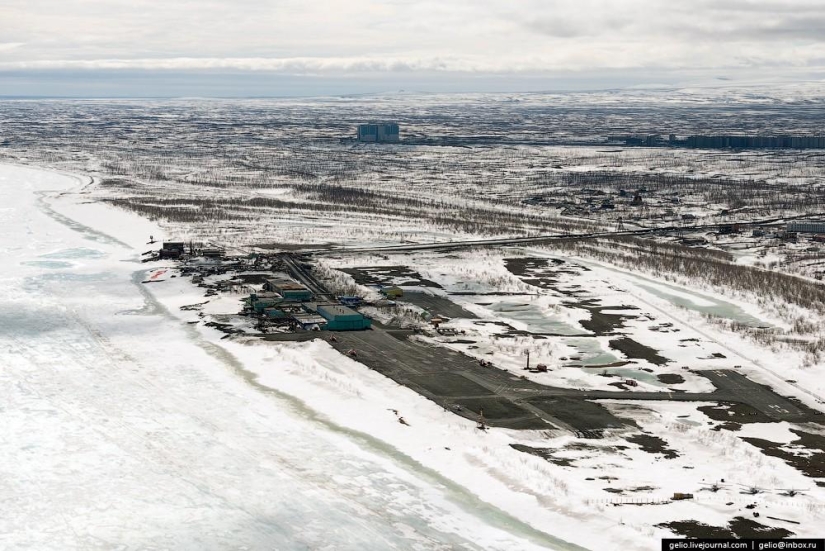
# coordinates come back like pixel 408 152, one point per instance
pixel 123 429
pixel 537 239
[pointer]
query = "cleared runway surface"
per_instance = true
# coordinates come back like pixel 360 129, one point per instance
pixel 436 305
pixel 452 379
pixel 459 383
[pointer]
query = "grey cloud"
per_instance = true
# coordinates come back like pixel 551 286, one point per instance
pixel 761 30
pixel 558 28
pixel 335 38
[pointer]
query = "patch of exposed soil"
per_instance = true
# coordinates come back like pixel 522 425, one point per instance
pixel 253 279
pixel 670 378
pixel 294 246
pixel 544 453
pixel 807 454
pixel 385 275
pixel 227 328
pixel 548 453
pixel 738 527
pixel 641 489
pixel 653 444
pixel 539 272
pixel 583 446
pixel 620 363
pixel 636 350
pixel 600 322
pixel 733 415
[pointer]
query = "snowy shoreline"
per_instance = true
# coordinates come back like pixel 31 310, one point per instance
pixel 347 394
pixel 128 428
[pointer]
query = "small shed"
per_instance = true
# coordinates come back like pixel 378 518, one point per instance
pixel 341 318
pixel 350 300
pixel 392 292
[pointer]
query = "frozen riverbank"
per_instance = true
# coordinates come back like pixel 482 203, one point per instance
pixel 126 428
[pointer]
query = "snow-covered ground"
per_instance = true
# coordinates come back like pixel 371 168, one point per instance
pixel 594 500
pixel 684 324
pixel 126 429
pixel 135 425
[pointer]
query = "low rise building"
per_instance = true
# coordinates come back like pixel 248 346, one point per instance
pixel 310 321
pixel 172 249
pixel 341 318
pixel 806 227
pixel 288 289
pixel 259 302
pixel 378 133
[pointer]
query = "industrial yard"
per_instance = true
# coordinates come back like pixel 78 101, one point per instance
pixel 438 355
pixel 595 367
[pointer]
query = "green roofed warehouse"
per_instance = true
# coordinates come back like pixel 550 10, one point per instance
pixel 341 318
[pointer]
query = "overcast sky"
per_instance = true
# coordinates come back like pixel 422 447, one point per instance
pixel 287 47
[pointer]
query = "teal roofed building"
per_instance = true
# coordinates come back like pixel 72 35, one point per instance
pixel 341 318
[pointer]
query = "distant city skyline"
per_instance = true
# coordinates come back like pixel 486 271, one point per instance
pixel 114 48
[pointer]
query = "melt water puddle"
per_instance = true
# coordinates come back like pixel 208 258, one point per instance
pixel 74 254
pixel 703 304
pixel 591 352
pixel 637 374
pixel 535 320
pixel 48 264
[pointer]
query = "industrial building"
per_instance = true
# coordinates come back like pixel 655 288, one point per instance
pixel 261 301
pixel 757 142
pixel 726 141
pixel 378 133
pixel 172 249
pixel 310 322
pixel 806 227
pixel 341 318
pixel 276 314
pixel 288 289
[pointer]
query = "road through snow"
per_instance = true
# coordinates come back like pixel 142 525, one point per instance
pixel 122 429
